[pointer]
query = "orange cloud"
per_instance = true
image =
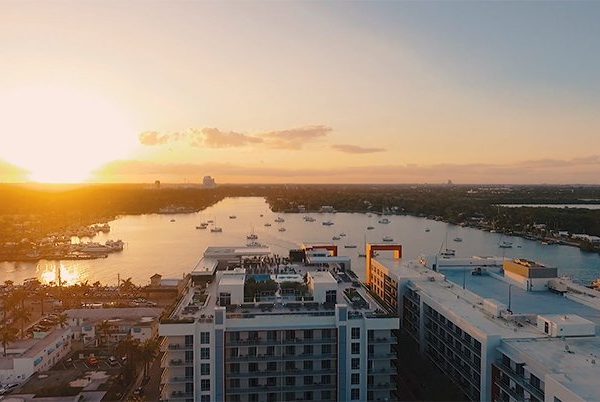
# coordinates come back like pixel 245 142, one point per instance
pixel 356 149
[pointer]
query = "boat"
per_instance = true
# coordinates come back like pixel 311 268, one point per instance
pixel 279 219
pixel 308 218
pixel 336 238
pixel 385 221
pixel 210 221
pixel 172 220
pixel 370 228
pixel 267 224
pixel 505 244
pixel 261 215
pixel 95 248
pixel 369 215
pixel 252 236
pixel 255 244
pixel 458 239
pixel 447 253
pixel 281 229
pixel 349 245
pixel 202 226
pixel 388 238
pixel 115 245
pixel 327 223
pixel 232 216
pixel 342 234
pixel 428 230
pixel 216 229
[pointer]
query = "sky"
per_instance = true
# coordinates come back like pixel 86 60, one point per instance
pixel 300 92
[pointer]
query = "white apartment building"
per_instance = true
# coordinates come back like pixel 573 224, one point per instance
pixel 514 332
pixel 26 357
pixel 249 332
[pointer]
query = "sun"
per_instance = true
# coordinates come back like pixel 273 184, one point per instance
pixel 62 135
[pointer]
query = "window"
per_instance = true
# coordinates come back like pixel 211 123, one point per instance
pixel 189 372
pixel 308 334
pixel 189 387
pixel 205 385
pixel 355 379
pixel 189 356
pixel 253 382
pixel 546 327
pixel 355 363
pixel 290 396
pixel 270 350
pixel 326 334
pixel 204 353
pixel 290 365
pixel 253 398
pixel 204 338
pixel 233 352
pixel 355 347
pixel 326 349
pixel 271 366
pixel 271 397
pixel 205 369
pixel 234 383
pixel 252 351
pixel 355 331
pixel 234 367
pixel 253 367
pixel 224 299
pixel 325 364
pixel 290 381
pixel 290 350
pixel 253 335
pixel 533 380
pixel 308 396
pixel 325 379
pixel 271 381
pixel 272 335
pixel 331 296
pixel 325 395
pixel 189 341
pixel 371 349
pixel 308 380
pixel 290 334
pixel 308 365
pixel 206 398
pixel 308 350
pixel 355 394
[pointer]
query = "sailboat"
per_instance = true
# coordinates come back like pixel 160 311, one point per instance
pixel 446 252
pixel 363 253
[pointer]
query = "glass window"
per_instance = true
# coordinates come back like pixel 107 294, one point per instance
pixel 355 333
pixel 308 349
pixel 325 364
pixel 355 347
pixel 308 380
pixel 308 365
pixel 204 337
pixel 355 363
pixel 326 349
pixel 308 334
pixel 291 381
pixel 205 385
pixel 355 379
pixel 205 369
pixel 355 394
pixel 205 353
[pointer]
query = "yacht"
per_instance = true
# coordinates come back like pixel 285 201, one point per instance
pixel 428 230
pixel 309 219
pixel 342 234
pixel 252 236
pixel 327 223
pixel 216 229
pixel 349 245
pixel 279 219
pixel 370 227
pixel 95 248
pixel 505 244
pixel 201 227
pixel 172 220
pixel 458 239
pixel 281 229
pixel 336 238
pixel 255 244
pixel 388 238
pixel 385 221
pixel 115 245
pixel 232 216
pixel 447 253
pixel 267 224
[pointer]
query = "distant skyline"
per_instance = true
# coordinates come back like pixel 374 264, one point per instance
pixel 300 92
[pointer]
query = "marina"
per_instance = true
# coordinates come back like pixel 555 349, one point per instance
pixel 153 239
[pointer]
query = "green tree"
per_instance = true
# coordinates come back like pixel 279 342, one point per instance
pixel 148 351
pixel 105 330
pixel 62 319
pixel 22 315
pixel 8 334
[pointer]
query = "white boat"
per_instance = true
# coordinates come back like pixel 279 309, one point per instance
pixel 309 219
pixel 255 244
pixel 95 248
pixel 336 238
pixel 252 236
pixel 505 244
pixel 327 223
pixel 281 229
pixel 115 245
pixel 216 229
pixel 385 221
pixel 279 219
pixel 447 253
pixel 458 239
pixel 342 234
pixel 388 238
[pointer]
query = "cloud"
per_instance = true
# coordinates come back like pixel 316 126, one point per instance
pixel 10 173
pixel 295 138
pixel 579 170
pixel 212 137
pixel 356 149
pixel 155 138
pixel 215 138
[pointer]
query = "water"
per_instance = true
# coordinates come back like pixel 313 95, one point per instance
pixel 582 206
pixel 156 245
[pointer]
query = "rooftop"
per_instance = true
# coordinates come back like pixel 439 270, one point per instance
pixel 574 362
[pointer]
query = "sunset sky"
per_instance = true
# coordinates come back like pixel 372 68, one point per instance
pixel 305 92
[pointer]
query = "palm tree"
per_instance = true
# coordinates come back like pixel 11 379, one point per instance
pixel 148 351
pixel 130 348
pixel 23 315
pixel 8 334
pixel 105 328
pixel 62 319
pixel 127 285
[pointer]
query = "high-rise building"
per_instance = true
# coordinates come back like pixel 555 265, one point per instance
pixel 249 328
pixel 208 182
pixel 509 332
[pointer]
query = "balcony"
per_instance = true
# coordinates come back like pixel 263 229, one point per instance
pixel 387 370
pixel 517 378
pixel 281 373
pixel 167 361
pixel 260 358
pixel 178 396
pixel 282 342
pixel 277 388
pixel 382 386
pixel 176 346
pixel 382 356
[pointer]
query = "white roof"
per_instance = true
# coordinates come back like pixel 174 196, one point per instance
pixel 322 277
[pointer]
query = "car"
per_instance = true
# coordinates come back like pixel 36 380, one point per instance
pixel 92 361
pixel 112 361
pixel 138 391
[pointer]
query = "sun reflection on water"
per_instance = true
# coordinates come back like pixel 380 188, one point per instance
pixel 52 273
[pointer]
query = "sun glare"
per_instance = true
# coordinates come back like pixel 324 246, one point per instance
pixel 60 135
